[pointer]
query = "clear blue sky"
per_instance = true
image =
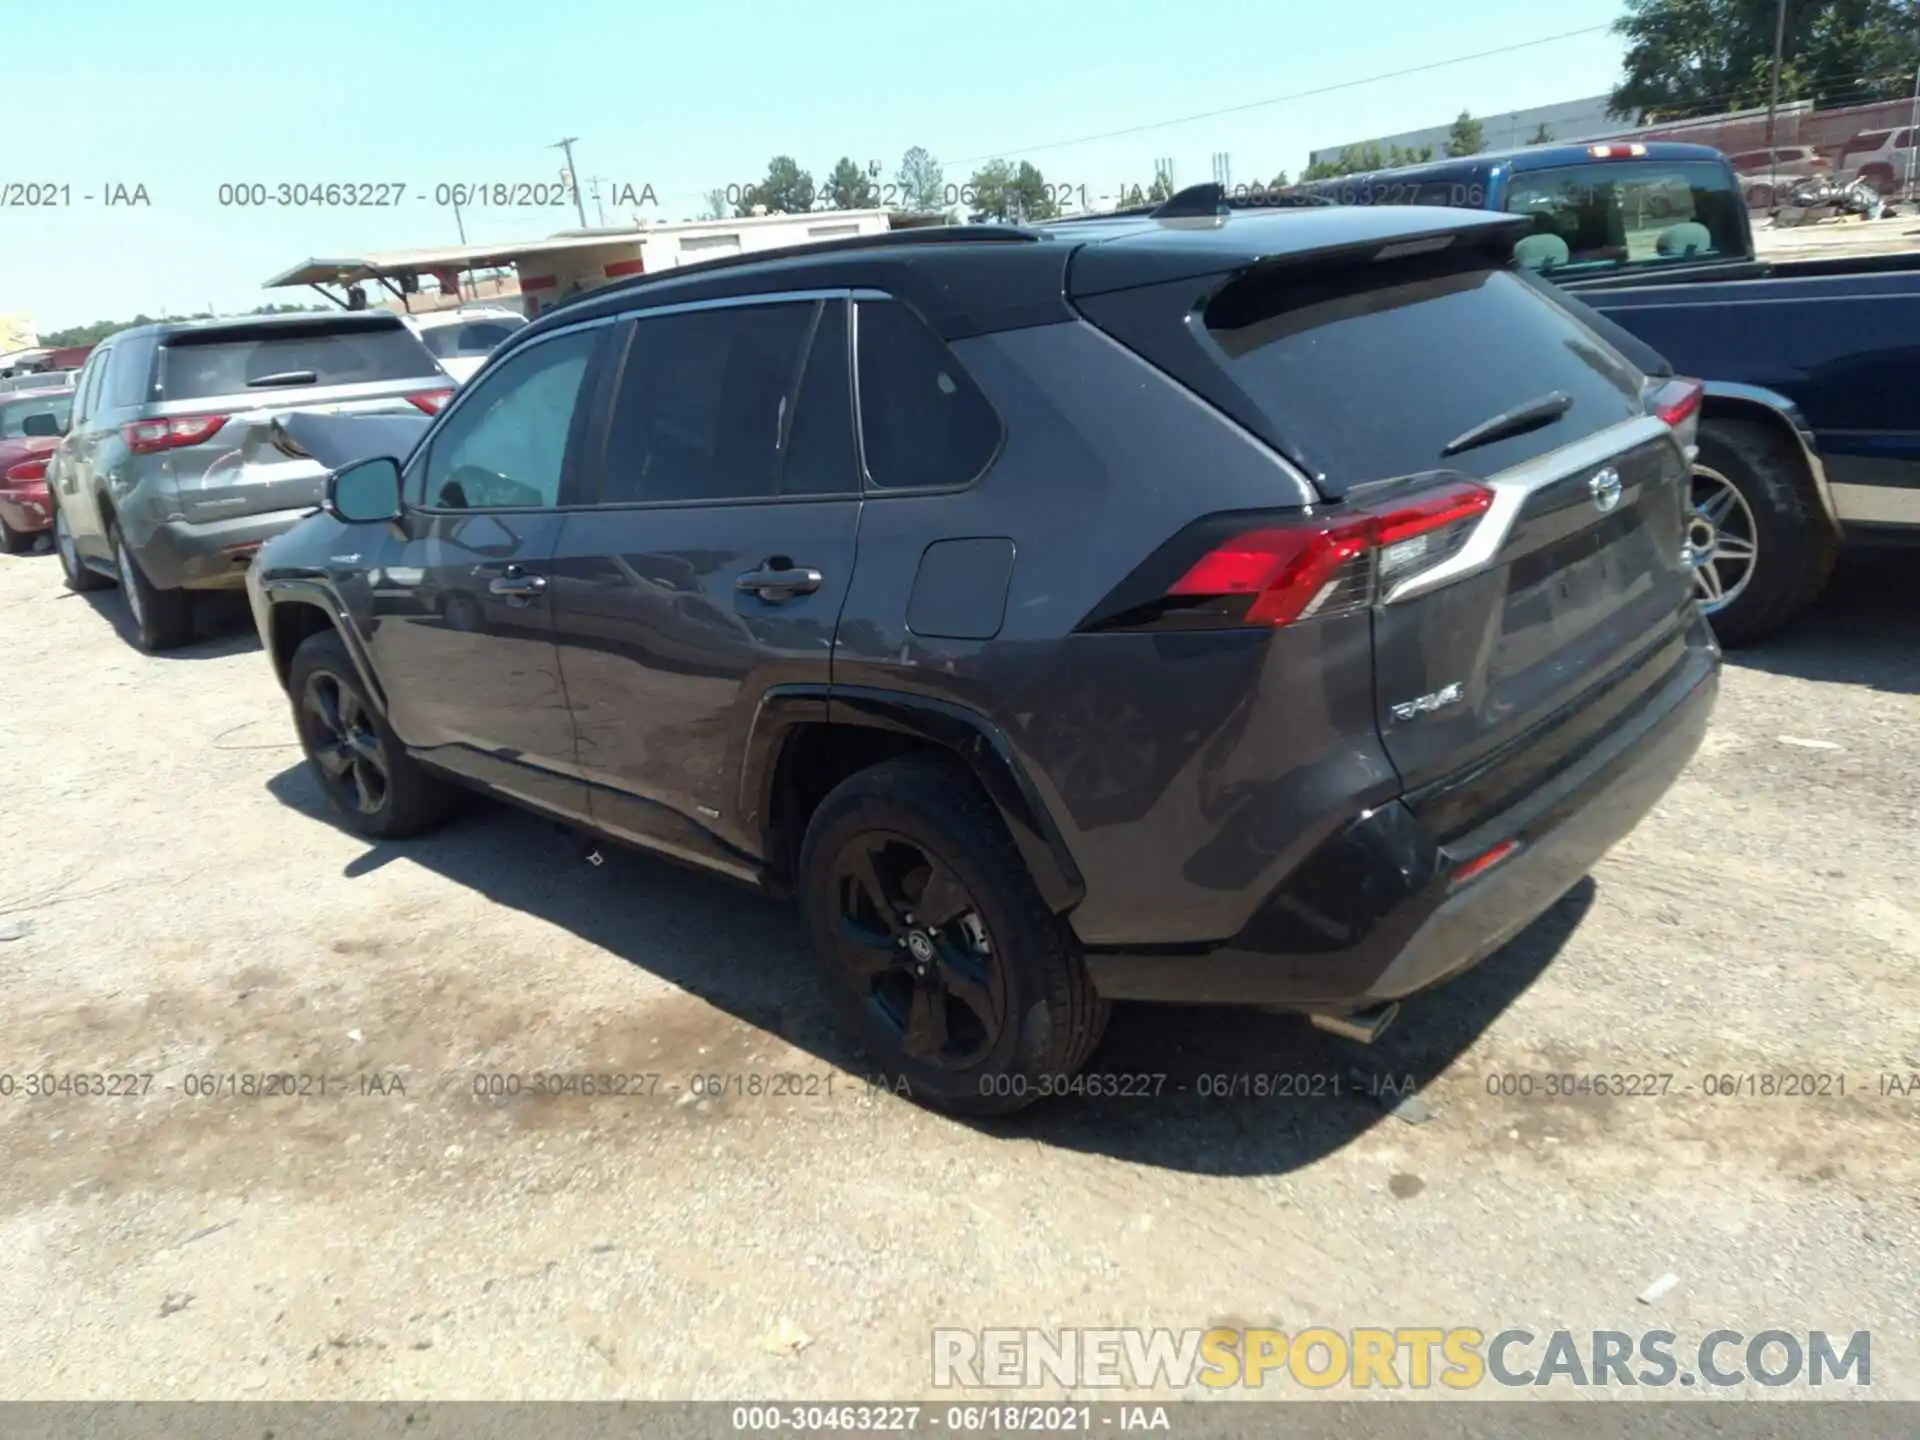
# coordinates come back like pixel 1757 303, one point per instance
pixel 183 95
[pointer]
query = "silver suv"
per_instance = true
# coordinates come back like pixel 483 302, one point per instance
pixel 168 480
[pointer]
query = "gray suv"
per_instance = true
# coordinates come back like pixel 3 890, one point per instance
pixel 1277 609
pixel 168 479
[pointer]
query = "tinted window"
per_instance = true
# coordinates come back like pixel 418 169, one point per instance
pixel 89 387
pixel 712 406
pixel 1635 212
pixel 1371 371
pixel 230 362
pixel 923 422
pixel 14 413
pixel 505 444
pixel 471 337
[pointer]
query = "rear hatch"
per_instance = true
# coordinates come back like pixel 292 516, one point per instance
pixel 1502 500
pixel 219 390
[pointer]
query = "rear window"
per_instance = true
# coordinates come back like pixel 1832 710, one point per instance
pixel 470 337
pixel 1371 372
pixel 1609 215
pixel 14 413
pixel 226 362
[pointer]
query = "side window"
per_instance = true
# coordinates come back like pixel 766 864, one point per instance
pixel 506 444
pixel 923 422
pixel 742 403
pixel 124 381
pixel 87 393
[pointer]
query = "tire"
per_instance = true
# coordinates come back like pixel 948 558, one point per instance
pixel 162 619
pixel 78 577
pixel 406 798
pixel 1033 1018
pixel 14 542
pixel 1794 542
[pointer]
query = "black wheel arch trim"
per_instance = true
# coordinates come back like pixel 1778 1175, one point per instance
pixel 307 592
pixel 1733 397
pixel 966 734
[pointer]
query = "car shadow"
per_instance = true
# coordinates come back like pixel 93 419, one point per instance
pixel 222 623
pixel 1185 1108
pixel 1863 630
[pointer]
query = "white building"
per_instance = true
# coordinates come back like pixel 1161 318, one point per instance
pixel 561 265
pixel 1566 122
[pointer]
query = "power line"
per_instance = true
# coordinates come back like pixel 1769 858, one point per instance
pixel 1283 99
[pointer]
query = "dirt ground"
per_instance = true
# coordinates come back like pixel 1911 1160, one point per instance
pixel 179 910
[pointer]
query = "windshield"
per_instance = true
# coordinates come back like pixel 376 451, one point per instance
pixel 1622 213
pixel 471 337
pixel 14 413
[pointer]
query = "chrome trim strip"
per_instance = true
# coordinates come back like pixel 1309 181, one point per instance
pixel 1802 431
pixel 736 302
pixel 1513 487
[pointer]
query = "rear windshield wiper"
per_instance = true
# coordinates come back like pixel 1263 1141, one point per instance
pixel 1517 421
pixel 285 377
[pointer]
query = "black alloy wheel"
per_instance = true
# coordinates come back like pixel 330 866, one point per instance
pixel 913 945
pixel 345 744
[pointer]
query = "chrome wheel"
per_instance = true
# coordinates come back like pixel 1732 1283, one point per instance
pixel 340 736
pixel 129 581
pixel 1723 543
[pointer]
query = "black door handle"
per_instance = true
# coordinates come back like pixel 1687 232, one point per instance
pixel 781 584
pixel 517 584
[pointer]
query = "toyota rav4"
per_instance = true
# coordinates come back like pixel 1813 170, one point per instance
pixel 1279 609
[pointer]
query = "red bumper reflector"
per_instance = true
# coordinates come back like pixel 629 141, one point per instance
pixel 1482 863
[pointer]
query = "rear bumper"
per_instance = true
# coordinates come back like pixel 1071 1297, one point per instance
pixel 182 555
pixel 26 508
pixel 1374 913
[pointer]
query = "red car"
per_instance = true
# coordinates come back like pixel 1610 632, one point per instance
pixel 31 424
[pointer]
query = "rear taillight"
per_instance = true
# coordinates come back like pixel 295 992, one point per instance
pixel 25 471
pixel 144 437
pixel 1317 567
pixel 431 401
pixel 1678 403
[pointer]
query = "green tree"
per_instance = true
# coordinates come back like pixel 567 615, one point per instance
pixel 1542 136
pixel 849 188
pixel 922 184
pixel 1703 57
pixel 1467 137
pixel 716 206
pixel 1409 156
pixel 1279 181
pixel 787 190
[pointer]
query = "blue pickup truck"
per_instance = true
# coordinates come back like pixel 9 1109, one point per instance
pixel 1810 437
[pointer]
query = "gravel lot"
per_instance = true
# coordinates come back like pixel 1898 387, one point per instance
pixel 180 907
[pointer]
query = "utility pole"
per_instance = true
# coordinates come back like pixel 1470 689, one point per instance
pixel 599 210
pixel 1913 124
pixel 1773 101
pixel 573 178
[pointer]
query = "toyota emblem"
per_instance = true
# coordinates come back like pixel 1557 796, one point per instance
pixel 1605 489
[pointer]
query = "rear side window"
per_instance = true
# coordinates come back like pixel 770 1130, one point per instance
pixel 743 403
pixel 923 422
pixel 226 362
pixel 1372 370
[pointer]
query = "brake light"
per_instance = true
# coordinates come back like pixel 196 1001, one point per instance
pixel 1678 403
pixel 431 401
pixel 144 437
pixel 1616 152
pixel 1333 565
pixel 26 470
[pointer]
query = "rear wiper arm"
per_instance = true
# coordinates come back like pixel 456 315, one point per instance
pixel 1517 421
pixel 285 377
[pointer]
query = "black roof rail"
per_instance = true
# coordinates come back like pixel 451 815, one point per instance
pixel 919 235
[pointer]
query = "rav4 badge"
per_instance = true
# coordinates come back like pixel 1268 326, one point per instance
pixel 1426 704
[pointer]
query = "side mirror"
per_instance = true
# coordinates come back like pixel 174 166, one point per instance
pixel 366 492
pixel 41 426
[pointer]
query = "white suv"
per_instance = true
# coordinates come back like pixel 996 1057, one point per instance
pixel 462 339
pixel 1884 157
